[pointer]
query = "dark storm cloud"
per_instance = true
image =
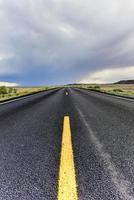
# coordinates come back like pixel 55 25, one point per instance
pixel 58 41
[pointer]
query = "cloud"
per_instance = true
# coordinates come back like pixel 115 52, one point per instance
pixel 5 56
pixel 8 84
pixel 109 75
pixel 67 38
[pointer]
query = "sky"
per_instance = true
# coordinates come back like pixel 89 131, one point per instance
pixel 49 42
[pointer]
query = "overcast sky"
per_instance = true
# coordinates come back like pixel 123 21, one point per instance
pixel 66 41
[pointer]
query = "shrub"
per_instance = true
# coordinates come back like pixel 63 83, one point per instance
pixel 89 87
pixel 97 87
pixel 14 90
pixel 117 90
pixel 3 90
pixel 10 90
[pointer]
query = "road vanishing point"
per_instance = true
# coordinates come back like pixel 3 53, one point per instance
pixel 67 144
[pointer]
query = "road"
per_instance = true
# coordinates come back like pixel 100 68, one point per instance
pixel 67 141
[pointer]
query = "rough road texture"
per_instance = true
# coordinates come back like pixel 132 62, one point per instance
pixel 103 143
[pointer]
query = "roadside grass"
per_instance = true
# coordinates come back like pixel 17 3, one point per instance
pixel 7 93
pixel 126 90
pixel 119 89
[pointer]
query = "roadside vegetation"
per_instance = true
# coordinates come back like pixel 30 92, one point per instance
pixel 10 92
pixel 116 89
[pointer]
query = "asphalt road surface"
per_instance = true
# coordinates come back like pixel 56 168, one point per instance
pixel 102 132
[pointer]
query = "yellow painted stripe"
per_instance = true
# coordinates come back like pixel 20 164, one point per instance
pixel 67 189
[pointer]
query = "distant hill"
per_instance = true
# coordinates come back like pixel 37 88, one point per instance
pixel 125 82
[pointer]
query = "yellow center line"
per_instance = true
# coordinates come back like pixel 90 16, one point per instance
pixel 67 189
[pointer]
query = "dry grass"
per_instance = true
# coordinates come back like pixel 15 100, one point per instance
pixel 117 89
pixel 22 92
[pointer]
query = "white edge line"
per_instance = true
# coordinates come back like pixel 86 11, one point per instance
pixel 114 96
pixel 122 185
pixel 127 98
pixel 19 98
